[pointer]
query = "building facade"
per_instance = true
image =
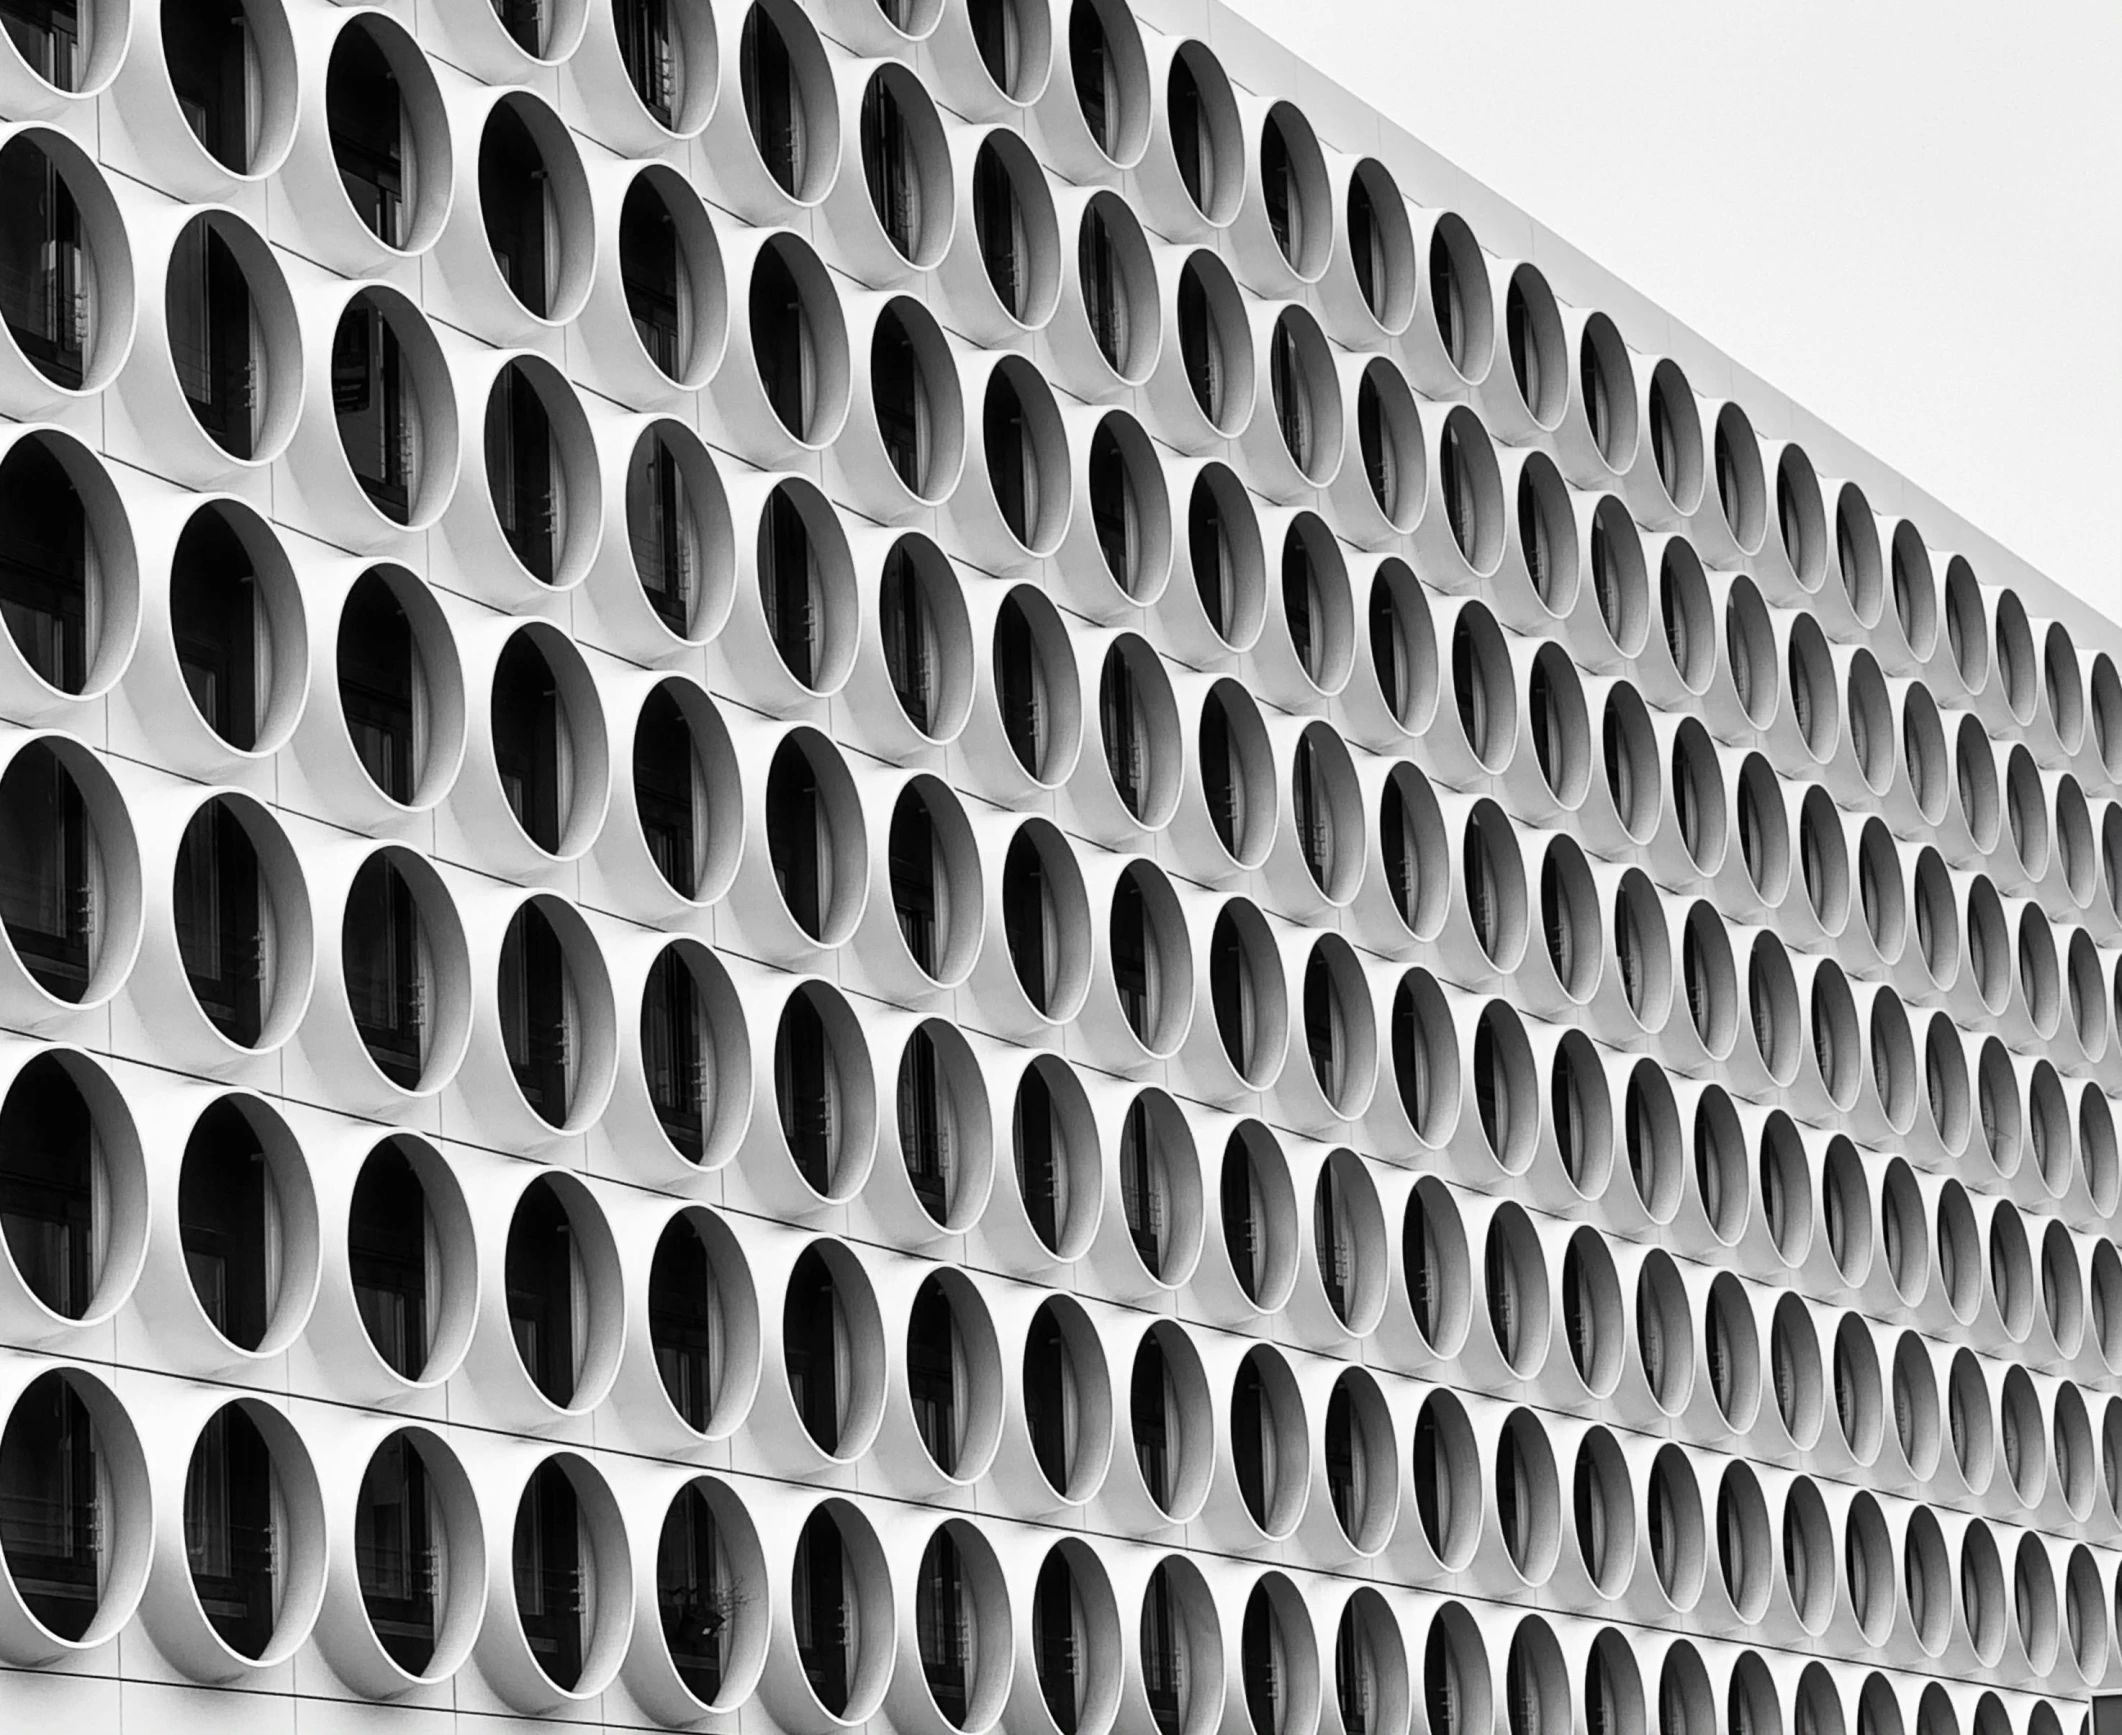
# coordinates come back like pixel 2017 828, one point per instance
pixel 931 864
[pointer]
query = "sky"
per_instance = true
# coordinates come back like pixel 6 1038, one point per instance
pixel 1906 216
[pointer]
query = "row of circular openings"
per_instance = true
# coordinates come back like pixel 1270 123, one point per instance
pixel 1161 1186
pixel 684 527
pixel 1670 1521
pixel 714 1632
pixel 709 1548
pixel 76 329
pixel 1737 468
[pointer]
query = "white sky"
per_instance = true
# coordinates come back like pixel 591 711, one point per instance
pixel 1905 214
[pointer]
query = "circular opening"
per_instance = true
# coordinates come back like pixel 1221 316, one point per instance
pixel 1676 437
pixel 76 1543
pixel 1606 388
pixel 1326 808
pixel 1046 921
pixel 1689 618
pixel 394 406
pixel 1213 351
pixel 1359 1457
pixel 1750 652
pixel 1389 444
pixel 73 606
pixel 1258 1206
pixel 1033 671
pixel 1533 334
pixel 1293 187
pixel 1731 1351
pixel 1857 1388
pixel 1710 979
pixel 816 840
pixel 1915 591
pixel 1015 228
pixel 1591 1311
pixel 1436 1265
pixel 1741 489
pixel 825 1094
pixel 787 88
pixel 1528 1499
pixel 1130 508
pixel 1348 1238
pixel 1446 1476
pixel 236 617
pixel 554 1010
pixel 1673 1522
pixel 73 1172
pixel 1504 1090
pixel 1926 1578
pixel 1603 1511
pixel 1651 1123
pixel 1403 645
pixel 547 727
pixel 231 335
pixel 1459 299
pixel 242 921
pixel 1764 829
pixel 1160 1188
pixel 1411 845
pixel 71 909
pixel 71 298
pixel 1559 725
pixel 403 955
pixel 1055 1153
pixel 671 271
pixel 536 447
pixel 906 165
pixel 1235 764
pixel 1857 555
pixel 1138 720
pixel 707 1552
pixel 230 73
pixel 933 864
pixel 1269 1448
pixel 1915 1400
pixel 1067 1399
pixel 1514 1276
pixel 953 1375
pixel 1318 606
pixel 1801 518
pixel 1246 993
pixel 799 339
pixel 1966 624
pixel 1207 143
pixel 1620 581
pixel 1381 245
pixel 1168 1400
pixel 1814 702
pixel 1110 72
pixel 534 203
pixel 1305 395
pixel 840 1570
pixel 1743 1549
pixel 1628 749
pixel 251 1553
pixel 1698 796
pixel 1340 1036
pixel 1794 1367
pixel 1471 485
pixel 1664 1333
pixel 832 1344
pixel 703 1322
pixel 389 137
pixel 1180 1647
pixel 684 769
pixel 940 1107
pixel 400 688
pixel 1425 1058
pixel 562 1279
pixel 2015 657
